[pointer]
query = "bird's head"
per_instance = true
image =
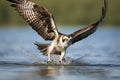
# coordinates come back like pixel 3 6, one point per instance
pixel 65 40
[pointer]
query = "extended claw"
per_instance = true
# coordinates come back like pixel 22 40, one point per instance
pixel 62 61
pixel 49 61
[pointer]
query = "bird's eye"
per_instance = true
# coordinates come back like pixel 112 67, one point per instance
pixel 63 40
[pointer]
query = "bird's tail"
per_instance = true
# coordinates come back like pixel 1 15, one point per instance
pixel 42 47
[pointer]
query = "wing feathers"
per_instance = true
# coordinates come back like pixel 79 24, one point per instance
pixel 85 32
pixel 42 20
pixel 37 16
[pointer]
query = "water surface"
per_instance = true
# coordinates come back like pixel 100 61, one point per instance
pixel 95 58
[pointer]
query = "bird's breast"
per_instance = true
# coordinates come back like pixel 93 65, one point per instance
pixel 59 48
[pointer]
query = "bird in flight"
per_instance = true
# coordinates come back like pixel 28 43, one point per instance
pixel 42 21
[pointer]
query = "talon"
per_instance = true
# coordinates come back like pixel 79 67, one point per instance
pixel 60 62
pixel 64 59
pixel 49 61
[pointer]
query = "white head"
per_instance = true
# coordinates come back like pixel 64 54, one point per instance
pixel 64 41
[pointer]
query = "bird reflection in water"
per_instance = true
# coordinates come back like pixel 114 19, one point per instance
pixel 51 71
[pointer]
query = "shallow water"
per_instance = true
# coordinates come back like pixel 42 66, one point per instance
pixel 95 58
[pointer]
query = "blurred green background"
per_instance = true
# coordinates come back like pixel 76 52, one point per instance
pixel 67 12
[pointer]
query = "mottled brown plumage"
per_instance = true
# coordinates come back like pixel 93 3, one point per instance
pixel 38 17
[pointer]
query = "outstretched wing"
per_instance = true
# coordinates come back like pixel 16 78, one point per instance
pixel 38 17
pixel 85 32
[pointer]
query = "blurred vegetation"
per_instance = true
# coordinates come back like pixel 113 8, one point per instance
pixel 66 12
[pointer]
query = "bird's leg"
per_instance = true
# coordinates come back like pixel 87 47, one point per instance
pixel 49 53
pixel 62 57
pixel 49 58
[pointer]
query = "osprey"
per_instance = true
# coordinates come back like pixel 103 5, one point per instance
pixel 42 21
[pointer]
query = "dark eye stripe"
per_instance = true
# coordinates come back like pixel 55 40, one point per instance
pixel 62 38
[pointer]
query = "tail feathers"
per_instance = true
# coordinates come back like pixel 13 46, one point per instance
pixel 42 47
